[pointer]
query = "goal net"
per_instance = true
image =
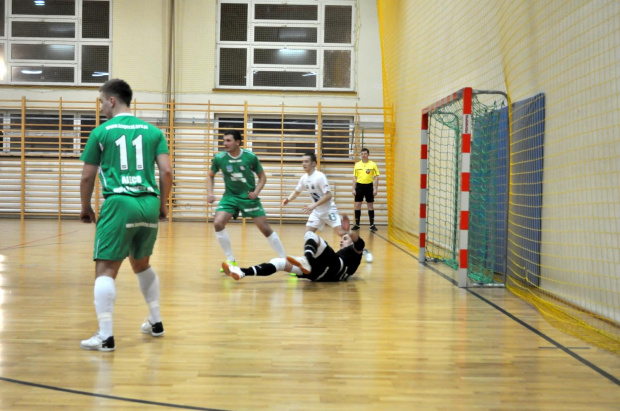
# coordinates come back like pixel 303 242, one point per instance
pixel 464 186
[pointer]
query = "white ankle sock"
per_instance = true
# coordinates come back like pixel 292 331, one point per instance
pixel 224 240
pixel 149 285
pixel 276 244
pixel 105 295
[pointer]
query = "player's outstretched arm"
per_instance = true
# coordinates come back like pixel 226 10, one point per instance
pixel 345 223
pixel 291 197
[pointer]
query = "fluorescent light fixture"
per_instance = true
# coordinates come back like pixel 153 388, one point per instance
pixel 290 52
pixel 63 29
pixel 312 73
pixel 39 2
pixel 32 71
pixel 100 74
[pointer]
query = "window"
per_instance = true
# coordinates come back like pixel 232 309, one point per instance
pixel 4 139
pixel 2 63
pixel 46 134
pixel 42 135
pixel 84 126
pixel 228 123
pixel 61 42
pixel 291 137
pixel 286 46
pixel 273 137
pixel 2 19
pixel 337 138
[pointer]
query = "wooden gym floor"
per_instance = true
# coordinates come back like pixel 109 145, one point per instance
pixel 395 336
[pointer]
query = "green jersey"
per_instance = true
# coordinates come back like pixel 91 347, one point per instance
pixel 125 148
pixel 238 172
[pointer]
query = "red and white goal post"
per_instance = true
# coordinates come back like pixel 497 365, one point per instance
pixel 445 167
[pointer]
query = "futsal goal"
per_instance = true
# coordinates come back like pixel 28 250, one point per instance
pixel 464 185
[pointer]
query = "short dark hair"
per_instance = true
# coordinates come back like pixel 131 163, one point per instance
pixel 311 155
pixel 119 89
pixel 235 133
pixel 366 150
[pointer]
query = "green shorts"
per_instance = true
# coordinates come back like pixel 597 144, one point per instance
pixel 246 207
pixel 127 226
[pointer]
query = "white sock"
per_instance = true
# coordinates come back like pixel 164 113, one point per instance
pixel 280 264
pixel 149 285
pixel 321 244
pixel 276 244
pixel 322 247
pixel 105 295
pixel 224 240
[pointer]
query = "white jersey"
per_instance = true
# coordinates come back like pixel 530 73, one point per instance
pixel 317 186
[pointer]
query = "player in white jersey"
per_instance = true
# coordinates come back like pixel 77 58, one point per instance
pixel 322 210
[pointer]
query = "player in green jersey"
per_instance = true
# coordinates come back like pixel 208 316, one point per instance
pixel 238 167
pixel 124 151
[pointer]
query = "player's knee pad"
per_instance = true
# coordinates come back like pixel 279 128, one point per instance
pixel 279 263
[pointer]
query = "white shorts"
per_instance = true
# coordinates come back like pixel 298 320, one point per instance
pixel 319 220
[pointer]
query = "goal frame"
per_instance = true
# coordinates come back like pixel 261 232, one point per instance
pixel 466 94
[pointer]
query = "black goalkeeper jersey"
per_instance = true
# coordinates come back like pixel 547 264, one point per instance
pixel 333 266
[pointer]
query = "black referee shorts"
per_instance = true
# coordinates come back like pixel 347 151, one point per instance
pixel 364 190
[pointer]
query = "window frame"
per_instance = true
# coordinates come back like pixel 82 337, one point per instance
pixel 345 122
pixel 250 44
pixel 8 62
pixel 72 133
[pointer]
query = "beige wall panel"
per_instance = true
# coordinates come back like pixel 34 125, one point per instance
pixel 195 34
pixel 139 49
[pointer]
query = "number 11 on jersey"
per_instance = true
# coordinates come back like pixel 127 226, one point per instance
pixel 137 143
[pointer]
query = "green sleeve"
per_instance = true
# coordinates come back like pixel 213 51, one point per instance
pixel 215 167
pixel 162 146
pixel 258 168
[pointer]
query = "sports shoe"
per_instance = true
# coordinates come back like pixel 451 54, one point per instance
pixel 233 271
pixel 301 262
pixel 355 227
pixel 97 344
pixel 373 228
pixel 156 330
pixel 230 262
pixel 368 255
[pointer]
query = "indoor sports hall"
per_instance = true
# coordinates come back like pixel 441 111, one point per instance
pixel 494 281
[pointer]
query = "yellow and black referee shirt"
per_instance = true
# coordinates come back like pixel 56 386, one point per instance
pixel 365 172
